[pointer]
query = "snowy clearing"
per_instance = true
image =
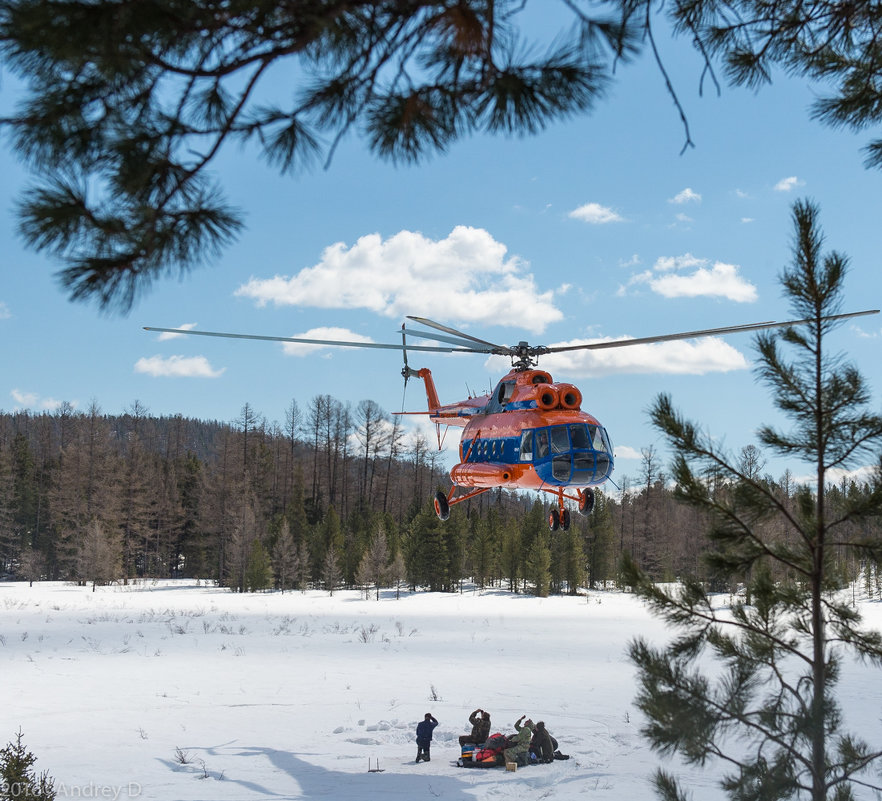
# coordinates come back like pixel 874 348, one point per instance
pixel 172 690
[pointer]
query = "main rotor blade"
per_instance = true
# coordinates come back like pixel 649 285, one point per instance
pixel 463 343
pixel 732 329
pixel 339 343
pixel 454 332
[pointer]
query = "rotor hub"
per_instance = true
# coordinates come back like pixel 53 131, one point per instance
pixel 524 356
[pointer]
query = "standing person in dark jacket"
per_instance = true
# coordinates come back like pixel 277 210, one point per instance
pixel 480 721
pixel 424 736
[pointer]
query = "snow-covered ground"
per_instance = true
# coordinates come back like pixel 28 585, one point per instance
pixel 176 691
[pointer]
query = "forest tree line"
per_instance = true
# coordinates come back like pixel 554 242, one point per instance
pixel 333 497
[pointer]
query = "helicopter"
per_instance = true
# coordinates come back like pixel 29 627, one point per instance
pixel 530 432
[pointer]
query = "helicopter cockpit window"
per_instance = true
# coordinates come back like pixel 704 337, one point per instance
pixel 505 391
pixel 541 443
pixel 579 433
pixel 560 440
pixel 527 446
pixel 596 438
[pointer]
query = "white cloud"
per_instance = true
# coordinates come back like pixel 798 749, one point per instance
pixel 685 196
pixel 177 367
pixel 685 262
pixel 747 220
pixel 467 276
pixel 861 334
pixel 417 429
pixel 667 278
pixel 788 184
pixel 338 334
pixel 681 357
pixel 836 475
pixel 26 399
pixel 5 314
pixel 165 335
pixel 596 214
pixel 721 280
pixel 627 452
pixel 31 400
pixel 638 278
pixel 684 218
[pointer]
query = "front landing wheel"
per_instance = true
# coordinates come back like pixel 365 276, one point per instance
pixel 442 507
pixel 586 501
pixel 554 520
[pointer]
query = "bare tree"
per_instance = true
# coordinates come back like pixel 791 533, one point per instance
pixel 332 576
pixel 369 431
pixel 397 573
pixel 100 555
pixel 284 557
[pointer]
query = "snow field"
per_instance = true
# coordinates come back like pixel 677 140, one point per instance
pixel 176 690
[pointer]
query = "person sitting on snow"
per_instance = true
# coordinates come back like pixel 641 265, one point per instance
pixel 480 721
pixel 518 752
pixel 543 745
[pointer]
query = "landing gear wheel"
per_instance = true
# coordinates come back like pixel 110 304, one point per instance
pixel 442 507
pixel 586 501
pixel 554 520
pixel 565 519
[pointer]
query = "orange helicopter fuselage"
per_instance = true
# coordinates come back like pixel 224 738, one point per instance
pixel 529 433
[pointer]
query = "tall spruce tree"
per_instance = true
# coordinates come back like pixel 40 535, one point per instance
pixel 770 710
pixel 538 567
pixel 259 572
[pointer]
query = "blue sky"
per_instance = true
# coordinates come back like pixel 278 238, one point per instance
pixel 596 228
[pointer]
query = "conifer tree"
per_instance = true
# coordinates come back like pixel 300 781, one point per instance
pixel 601 542
pixel 484 534
pixel 124 129
pixel 538 569
pixel 573 560
pixel 258 573
pixel 17 777
pixel 427 556
pixel 9 541
pixel 770 711
pixel 533 526
pixel 331 532
pixel 510 556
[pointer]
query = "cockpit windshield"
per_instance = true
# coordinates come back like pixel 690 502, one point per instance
pixel 580 452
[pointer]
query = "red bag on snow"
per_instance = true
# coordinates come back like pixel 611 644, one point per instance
pixel 496 744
